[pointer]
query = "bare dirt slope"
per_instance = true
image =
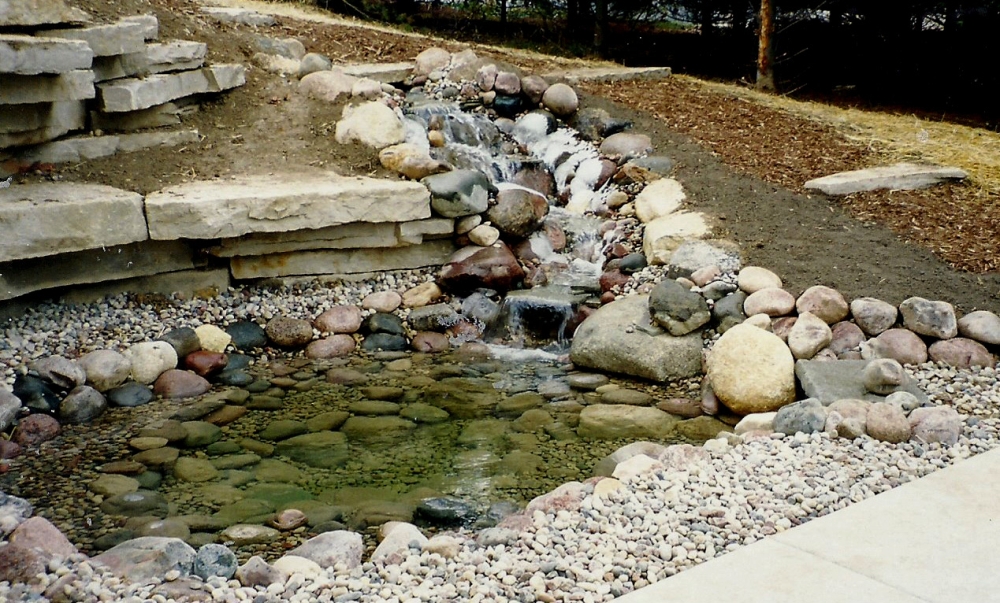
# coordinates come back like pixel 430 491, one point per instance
pixel 740 160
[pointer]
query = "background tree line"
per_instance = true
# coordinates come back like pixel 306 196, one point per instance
pixel 934 56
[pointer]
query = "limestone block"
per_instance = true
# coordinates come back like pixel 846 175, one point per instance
pixel 35 123
pixel 120 66
pixel 39 220
pixel 28 55
pixel 425 230
pixel 94 266
pixel 71 150
pixel 346 236
pixel 386 73
pixel 902 176
pixel 27 89
pixel 178 55
pixel 150 25
pixel 280 203
pixel 347 261
pixel 123 37
pixel 135 94
pixel 167 114
pixel 243 16
pixel 18 13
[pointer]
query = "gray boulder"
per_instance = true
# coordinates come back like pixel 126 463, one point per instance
pixel 883 376
pixel 459 192
pixel 925 317
pixel 677 309
pixel 807 416
pixel 620 338
pixel 214 560
pixel 82 405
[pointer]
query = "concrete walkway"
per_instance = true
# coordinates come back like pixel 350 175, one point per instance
pixel 935 540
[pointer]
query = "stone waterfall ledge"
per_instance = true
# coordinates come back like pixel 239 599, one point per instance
pixel 39 122
pixel 348 236
pixel 94 266
pixel 17 13
pixel 28 89
pixel 134 94
pixel 40 220
pixel 123 37
pixel 28 55
pixel 178 55
pixel 348 261
pixel 220 209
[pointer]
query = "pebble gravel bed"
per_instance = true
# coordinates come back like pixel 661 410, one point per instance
pixel 656 525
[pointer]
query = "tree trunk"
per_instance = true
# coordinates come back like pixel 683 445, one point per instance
pixel 707 17
pixel 601 29
pixel 503 16
pixel 765 49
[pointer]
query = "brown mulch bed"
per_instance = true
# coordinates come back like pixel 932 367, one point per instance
pixel 959 223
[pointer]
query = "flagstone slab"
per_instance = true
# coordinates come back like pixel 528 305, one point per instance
pixel 902 176
pixel 28 55
pixel 133 94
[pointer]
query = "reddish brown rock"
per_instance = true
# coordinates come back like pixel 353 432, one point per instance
pixel 334 346
pixel 518 212
pixel 847 336
pixel 35 429
pixel 783 326
pixel 9 449
pixel 176 383
pixel 613 278
pixel 463 330
pixel 39 534
pixel 472 268
pixel 205 363
pixel 339 319
pixel 961 353
pixel 902 345
pixel 430 342
pixel 682 407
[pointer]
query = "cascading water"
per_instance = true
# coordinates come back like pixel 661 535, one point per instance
pixel 542 315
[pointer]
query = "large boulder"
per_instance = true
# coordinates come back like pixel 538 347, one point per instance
pixel 981 325
pixel 932 318
pixel 106 369
pixel 936 424
pixel 518 211
pixel 678 309
pixel 458 193
pixel 371 124
pixel 149 359
pixel 141 559
pixel 332 548
pixel 751 370
pixel 620 338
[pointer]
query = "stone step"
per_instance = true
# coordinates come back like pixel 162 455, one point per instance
pixel 178 55
pixel 40 122
pixel 386 73
pixel 28 89
pixel 902 176
pixel 28 55
pixel 135 94
pixel 14 13
pixel 84 148
pixel 167 114
pixel 150 25
pixel 123 37
pixel 120 66
pixel 95 266
pixel 217 209
pixel 347 261
pixel 38 220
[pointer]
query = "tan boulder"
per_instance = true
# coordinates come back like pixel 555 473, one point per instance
pixel 751 370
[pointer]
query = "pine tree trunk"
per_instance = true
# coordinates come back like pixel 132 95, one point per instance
pixel 765 50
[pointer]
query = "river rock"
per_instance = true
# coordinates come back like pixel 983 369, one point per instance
pixel 936 424
pixel 431 59
pixel 323 449
pixel 472 268
pixel 429 342
pixel 30 548
pixel 609 341
pixel 855 410
pixel 562 101
pixel 960 352
pixel 401 541
pixel 507 83
pixel 518 212
pixel 214 560
pixel 615 421
pixel 247 335
pixel 191 469
pixel 212 338
pixel 886 422
pixel 883 376
pixel 335 346
pixel 411 161
pixel 824 302
pixel 382 301
pixel 421 295
pixel 484 235
pixel 659 198
pixel 677 309
pixel 13 512
pixel 806 416
pixel 981 325
pixel 10 406
pixel 198 434
pixel 82 405
pixel 874 316
pixel 289 332
pixel 257 573
pixel 149 359
pixel 332 548
pixel 760 421
pixel 901 345
pixel 130 394
pixel 533 87
pixel 459 193
pixel 905 400
pixel 752 279
pixel 847 337
pixel 435 317
pixel 771 301
pixel 61 372
pixel 142 559
pixel 932 318
pixel 105 369
pixel 176 383
pixel 751 370
pixel 35 429
pixel 486 76
pixel 246 534
pixel 627 145
pixel 372 124
pixel 204 363
pixel 808 335
pixel 594 124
